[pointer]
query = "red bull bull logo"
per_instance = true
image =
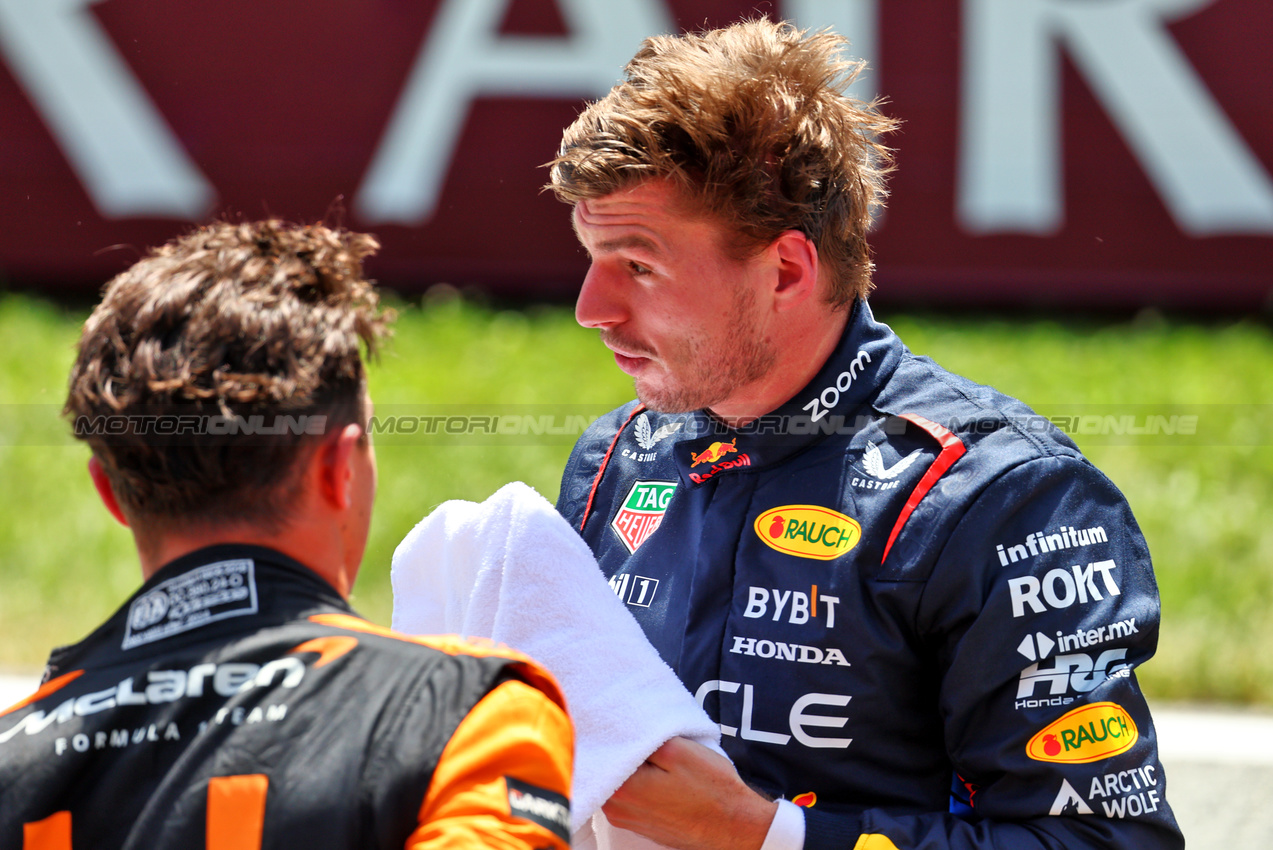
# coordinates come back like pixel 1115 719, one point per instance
pixel 722 466
pixel 714 452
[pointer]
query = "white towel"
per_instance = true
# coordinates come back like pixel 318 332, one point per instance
pixel 511 569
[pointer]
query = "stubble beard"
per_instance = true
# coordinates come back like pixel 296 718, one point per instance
pixel 713 371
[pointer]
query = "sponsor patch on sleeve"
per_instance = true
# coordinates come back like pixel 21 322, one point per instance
pixel 539 805
pixel 1086 734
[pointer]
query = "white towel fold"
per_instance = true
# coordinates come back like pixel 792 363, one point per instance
pixel 511 569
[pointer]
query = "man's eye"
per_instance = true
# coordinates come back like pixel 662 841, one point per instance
pixel 637 268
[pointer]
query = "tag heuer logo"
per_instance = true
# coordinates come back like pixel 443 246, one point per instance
pixel 642 511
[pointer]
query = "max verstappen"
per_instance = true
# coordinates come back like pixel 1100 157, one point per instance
pixel 913 606
pixel 236 701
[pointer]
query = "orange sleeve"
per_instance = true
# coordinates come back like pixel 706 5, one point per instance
pixel 504 777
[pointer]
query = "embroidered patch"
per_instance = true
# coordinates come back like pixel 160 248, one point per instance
pixel 808 531
pixel 539 805
pixel 1085 734
pixel 642 511
pixel 192 600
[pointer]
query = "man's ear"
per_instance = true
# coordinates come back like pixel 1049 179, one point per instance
pixel 334 466
pixel 105 490
pixel 797 262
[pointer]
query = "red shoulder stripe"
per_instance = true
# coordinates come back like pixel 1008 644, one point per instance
pixel 952 449
pixel 601 470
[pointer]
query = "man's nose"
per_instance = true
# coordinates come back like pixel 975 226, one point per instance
pixel 600 303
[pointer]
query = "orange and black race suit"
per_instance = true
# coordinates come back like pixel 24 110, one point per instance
pixel 236 702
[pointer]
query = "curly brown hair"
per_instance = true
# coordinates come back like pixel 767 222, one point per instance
pixel 753 123
pixel 229 323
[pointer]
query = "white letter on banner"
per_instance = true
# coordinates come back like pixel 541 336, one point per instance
pixel 465 57
pixel 119 145
pixel 1010 163
pixel 856 20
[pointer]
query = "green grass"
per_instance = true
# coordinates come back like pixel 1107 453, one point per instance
pixel 1203 502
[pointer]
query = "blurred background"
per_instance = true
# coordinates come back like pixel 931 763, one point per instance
pixel 1056 154
pixel 1082 216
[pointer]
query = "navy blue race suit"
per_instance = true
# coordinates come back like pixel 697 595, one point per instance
pixel 911 603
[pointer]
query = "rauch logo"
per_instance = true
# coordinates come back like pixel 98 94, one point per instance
pixel 808 531
pixel 1086 734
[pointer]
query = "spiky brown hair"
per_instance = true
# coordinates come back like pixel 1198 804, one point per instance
pixel 232 320
pixel 753 123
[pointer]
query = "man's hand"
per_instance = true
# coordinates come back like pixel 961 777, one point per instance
pixel 688 797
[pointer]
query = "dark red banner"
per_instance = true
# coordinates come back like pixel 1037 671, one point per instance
pixel 1053 152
